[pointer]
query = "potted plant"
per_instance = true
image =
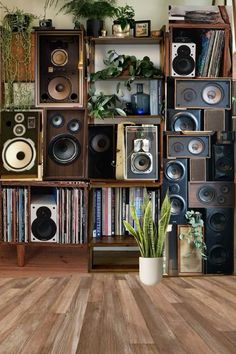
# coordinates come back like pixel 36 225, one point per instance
pixel 194 234
pixel 124 21
pixel 150 238
pixel 94 11
pixel 16 50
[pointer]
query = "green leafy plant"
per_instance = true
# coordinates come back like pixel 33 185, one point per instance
pixel 126 65
pixel 150 237
pixel 124 15
pixel 195 234
pixel 102 106
pixel 16 56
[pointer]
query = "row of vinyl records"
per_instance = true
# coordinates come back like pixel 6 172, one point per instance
pixel 112 206
pixel 209 60
pixel 67 214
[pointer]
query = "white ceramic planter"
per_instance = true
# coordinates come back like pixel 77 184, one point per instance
pixel 150 270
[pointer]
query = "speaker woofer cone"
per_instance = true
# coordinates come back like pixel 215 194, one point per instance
pixel 57 120
pixel 59 57
pixel 19 130
pixel 196 146
pixel 19 117
pixel 212 94
pixel 100 143
pixel 64 149
pixel 218 255
pixel 73 126
pixel 178 204
pixel 183 66
pixel 59 88
pixel 44 229
pixel 206 194
pixel 218 222
pixel 18 154
pixel 184 121
pixel 141 162
pixel 174 171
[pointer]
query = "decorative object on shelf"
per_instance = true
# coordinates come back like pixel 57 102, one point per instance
pixel 192 247
pixel 124 21
pixel 16 48
pixel 150 239
pixel 142 28
pixel 102 106
pixel 140 101
pixel 46 22
pixel 94 11
pixel 128 66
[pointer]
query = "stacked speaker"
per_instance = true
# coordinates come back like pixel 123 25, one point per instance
pixel 199 153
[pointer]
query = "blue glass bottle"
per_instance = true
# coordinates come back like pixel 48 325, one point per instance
pixel 140 101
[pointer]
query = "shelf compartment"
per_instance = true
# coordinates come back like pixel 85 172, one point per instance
pixel 126 40
pixel 128 119
pixel 111 241
pixel 114 261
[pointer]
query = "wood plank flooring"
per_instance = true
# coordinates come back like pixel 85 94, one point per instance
pixel 115 314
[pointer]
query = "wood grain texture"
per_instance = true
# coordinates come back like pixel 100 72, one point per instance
pixel 116 314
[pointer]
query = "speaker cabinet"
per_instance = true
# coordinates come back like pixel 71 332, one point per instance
pixel 43 218
pixel 215 120
pixel 198 170
pixel 101 151
pixel 188 146
pixel 178 120
pixel 219 239
pixel 211 194
pixel 183 59
pixel 65 144
pixel 20 131
pixel 223 162
pixel 175 180
pixel 141 152
pixel 203 93
pixel 60 68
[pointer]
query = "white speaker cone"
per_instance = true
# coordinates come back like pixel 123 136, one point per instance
pixel 212 94
pixel 59 57
pixel 59 88
pixel 19 130
pixel 18 154
pixel 19 117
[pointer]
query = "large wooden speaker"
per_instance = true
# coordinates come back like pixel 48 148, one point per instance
pixel 19 144
pixel 64 144
pixel 60 68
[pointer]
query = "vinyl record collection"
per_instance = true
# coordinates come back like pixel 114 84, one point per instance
pixel 52 153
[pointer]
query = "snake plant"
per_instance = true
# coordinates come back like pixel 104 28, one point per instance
pixel 149 236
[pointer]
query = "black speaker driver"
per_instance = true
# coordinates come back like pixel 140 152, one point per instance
pixel 218 255
pixel 141 162
pixel 43 229
pixel 177 204
pixel 57 120
pixel 182 65
pixel 100 143
pixel 206 194
pixel 73 126
pixel 64 149
pixel 218 221
pixel 189 95
pixel 224 165
pixel 43 212
pixel 174 171
pixel 184 121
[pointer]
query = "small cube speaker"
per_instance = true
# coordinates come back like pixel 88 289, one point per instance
pixel 188 146
pixel 202 93
pixel 183 59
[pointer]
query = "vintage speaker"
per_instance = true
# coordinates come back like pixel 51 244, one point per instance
pixel 198 170
pixel 211 194
pixel 141 152
pixel 183 59
pixel 175 180
pixel 20 138
pixel 223 162
pixel 215 120
pixel 203 93
pixel 101 151
pixel 65 144
pixel 43 218
pixel 183 120
pixel 60 68
pixel 189 145
pixel 219 239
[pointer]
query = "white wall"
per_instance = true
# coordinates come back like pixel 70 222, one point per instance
pixel 155 10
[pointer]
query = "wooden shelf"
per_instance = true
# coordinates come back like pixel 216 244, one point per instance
pixel 81 184
pixel 44 244
pixel 127 40
pixel 144 119
pixel 198 25
pixel 96 183
pixel 109 241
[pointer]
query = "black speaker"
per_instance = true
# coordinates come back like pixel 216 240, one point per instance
pixel 183 59
pixel 223 162
pixel 101 151
pixel 176 180
pixel 188 145
pixel 65 142
pixel 211 194
pixel 20 139
pixel 219 239
pixel 178 120
pixel 141 152
pixel 60 68
pixel 203 93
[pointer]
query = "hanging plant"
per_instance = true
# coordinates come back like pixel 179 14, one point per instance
pixel 16 57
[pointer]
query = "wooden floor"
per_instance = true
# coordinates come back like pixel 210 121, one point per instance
pixel 115 314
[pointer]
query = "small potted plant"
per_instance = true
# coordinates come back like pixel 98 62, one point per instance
pixel 124 21
pixel 150 238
